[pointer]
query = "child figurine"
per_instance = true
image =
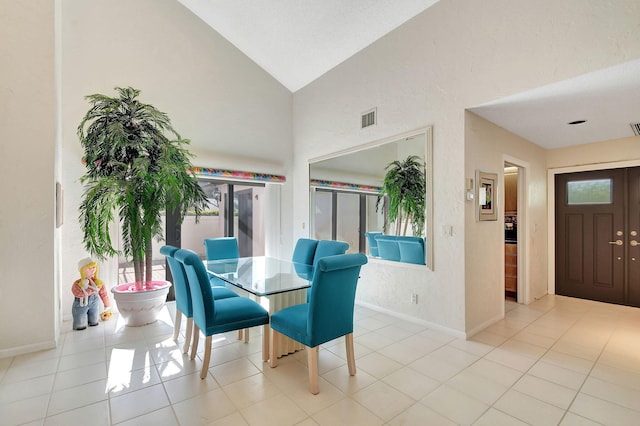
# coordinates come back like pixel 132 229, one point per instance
pixel 86 291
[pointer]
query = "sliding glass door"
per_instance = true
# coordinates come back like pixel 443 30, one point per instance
pixel 345 216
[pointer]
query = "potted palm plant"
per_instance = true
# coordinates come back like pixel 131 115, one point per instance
pixel 404 186
pixel 134 173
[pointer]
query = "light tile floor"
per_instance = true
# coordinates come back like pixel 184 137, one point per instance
pixel 557 361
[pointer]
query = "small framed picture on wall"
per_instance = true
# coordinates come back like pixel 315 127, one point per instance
pixel 487 195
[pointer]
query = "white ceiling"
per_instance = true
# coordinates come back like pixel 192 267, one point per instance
pixel 609 101
pixel 297 41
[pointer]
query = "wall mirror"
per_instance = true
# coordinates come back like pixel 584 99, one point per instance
pixel 344 190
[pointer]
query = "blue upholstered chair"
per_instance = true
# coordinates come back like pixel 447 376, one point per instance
pixel 401 248
pixel 213 316
pixel 223 248
pixel 220 248
pixel 388 247
pixel 183 295
pixel 329 248
pixel 302 257
pixel 412 250
pixel 373 243
pixel 304 251
pixel 328 314
pixel 326 248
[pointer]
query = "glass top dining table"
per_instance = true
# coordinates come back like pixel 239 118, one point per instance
pixel 261 275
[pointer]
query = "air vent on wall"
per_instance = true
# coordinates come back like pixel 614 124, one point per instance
pixel 636 128
pixel 368 118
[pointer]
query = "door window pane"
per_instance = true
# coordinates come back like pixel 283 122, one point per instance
pixel 596 191
pixel 249 219
pixel 246 221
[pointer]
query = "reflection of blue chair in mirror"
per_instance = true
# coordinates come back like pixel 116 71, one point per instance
pixel 401 248
pixel 183 295
pixel 412 250
pixel 327 316
pixel 214 316
pixel 373 243
pixel 388 247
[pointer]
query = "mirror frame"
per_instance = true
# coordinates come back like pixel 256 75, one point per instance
pixel 428 158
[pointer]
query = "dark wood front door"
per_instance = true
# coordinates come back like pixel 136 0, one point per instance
pixel 597 227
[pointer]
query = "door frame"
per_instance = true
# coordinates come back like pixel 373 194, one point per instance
pixel 551 208
pixel 523 290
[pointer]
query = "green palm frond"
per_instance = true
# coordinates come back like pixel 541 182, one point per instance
pixel 404 188
pixel 134 169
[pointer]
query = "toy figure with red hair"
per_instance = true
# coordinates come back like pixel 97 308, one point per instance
pixel 87 289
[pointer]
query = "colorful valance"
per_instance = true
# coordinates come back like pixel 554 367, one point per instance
pixel 344 186
pixel 238 175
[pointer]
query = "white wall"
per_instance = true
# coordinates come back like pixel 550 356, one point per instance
pixel 595 153
pixel 28 289
pixel 236 115
pixel 457 54
pixel 487 145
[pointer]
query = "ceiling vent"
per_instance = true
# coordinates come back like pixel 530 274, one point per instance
pixel 636 128
pixel 368 118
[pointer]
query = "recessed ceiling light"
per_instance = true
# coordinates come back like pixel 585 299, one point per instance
pixel 577 122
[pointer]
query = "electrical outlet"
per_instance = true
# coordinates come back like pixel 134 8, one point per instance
pixel 414 298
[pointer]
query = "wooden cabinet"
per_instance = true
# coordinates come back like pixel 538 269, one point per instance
pixel 511 193
pixel 511 268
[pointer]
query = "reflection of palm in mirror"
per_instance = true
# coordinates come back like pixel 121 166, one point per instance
pixel 343 206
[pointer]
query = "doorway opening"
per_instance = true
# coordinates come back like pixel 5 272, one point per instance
pixel 510 186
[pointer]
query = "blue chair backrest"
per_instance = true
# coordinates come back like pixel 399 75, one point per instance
pixel 401 248
pixel 180 285
pixel 201 293
pixel 329 248
pixel 412 251
pixel 304 251
pixel 332 298
pixel 221 248
pixel 388 247
pixel 373 243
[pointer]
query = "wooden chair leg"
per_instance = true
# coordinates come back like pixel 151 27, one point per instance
pixel 240 334
pixel 246 335
pixel 273 347
pixel 196 337
pixel 207 357
pixel 176 325
pixel 265 342
pixel 351 356
pixel 188 336
pixel 312 360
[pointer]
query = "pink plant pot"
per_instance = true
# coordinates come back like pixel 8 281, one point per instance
pixel 141 306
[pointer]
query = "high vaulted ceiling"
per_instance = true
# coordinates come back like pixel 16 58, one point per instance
pixel 297 41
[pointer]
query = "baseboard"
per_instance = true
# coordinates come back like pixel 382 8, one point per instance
pixel 484 325
pixel 26 349
pixel 431 325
